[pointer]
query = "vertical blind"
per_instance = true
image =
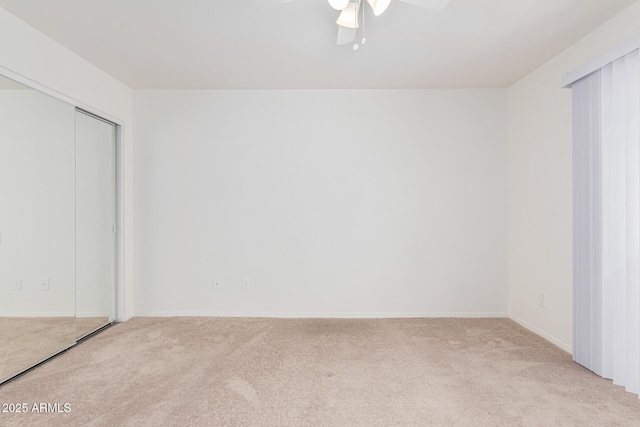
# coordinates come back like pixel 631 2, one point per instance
pixel 606 221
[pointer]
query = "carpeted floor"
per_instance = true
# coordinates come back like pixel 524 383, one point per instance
pixel 25 341
pixel 86 325
pixel 318 372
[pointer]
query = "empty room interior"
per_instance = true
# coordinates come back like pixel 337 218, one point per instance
pixel 319 213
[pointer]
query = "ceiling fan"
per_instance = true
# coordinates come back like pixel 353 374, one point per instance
pixel 348 20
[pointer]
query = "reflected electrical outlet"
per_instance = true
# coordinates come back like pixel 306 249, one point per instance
pixel 542 300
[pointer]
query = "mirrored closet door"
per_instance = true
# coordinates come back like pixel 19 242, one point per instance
pixel 57 222
pixel 95 223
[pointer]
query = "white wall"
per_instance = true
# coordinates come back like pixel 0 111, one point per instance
pixel 539 176
pixel 335 268
pixel 37 207
pixel 345 203
pixel 34 59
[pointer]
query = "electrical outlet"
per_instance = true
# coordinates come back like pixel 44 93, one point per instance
pixel 44 285
pixel 217 285
pixel 17 284
pixel 542 300
pixel 244 284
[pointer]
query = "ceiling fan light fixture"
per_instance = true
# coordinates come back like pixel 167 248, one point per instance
pixel 349 16
pixel 379 6
pixel 338 4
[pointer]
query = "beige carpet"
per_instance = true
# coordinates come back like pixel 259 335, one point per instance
pixel 25 341
pixel 87 325
pixel 319 372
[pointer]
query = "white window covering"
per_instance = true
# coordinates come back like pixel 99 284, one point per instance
pixel 606 213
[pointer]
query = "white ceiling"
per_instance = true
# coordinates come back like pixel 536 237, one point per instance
pixel 197 44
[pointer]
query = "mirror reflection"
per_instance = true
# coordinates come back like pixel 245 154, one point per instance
pixel 37 227
pixel 57 226
pixel 95 223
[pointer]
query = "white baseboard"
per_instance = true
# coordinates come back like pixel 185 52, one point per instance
pixel 40 314
pixel 308 315
pixel 92 314
pixel 566 347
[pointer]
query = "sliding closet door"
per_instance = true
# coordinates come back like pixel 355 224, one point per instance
pixel 95 223
pixel 37 287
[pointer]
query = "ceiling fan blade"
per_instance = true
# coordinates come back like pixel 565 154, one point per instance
pixel 346 35
pixel 433 5
pixel 269 3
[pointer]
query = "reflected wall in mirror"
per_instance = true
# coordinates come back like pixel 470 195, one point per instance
pixel 95 223
pixel 37 227
pixel 57 226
